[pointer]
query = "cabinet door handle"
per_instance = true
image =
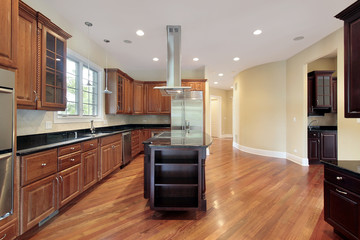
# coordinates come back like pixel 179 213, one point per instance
pixel 72 159
pixel 36 98
pixel 339 178
pixel 342 192
pixel 57 179
pixel 113 146
pixel 91 144
pixel 3 237
pixel 43 164
pixel 62 180
pixel 72 148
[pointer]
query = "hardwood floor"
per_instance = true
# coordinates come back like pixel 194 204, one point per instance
pixel 248 197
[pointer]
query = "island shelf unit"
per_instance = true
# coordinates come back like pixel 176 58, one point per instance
pixel 177 179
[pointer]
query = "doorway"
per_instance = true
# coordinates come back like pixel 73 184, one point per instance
pixel 215 119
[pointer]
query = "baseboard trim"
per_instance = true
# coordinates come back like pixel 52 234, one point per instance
pixel 297 159
pixel 275 154
pixel 261 152
pixel 226 136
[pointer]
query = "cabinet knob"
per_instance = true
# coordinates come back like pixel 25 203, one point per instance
pixel 339 178
pixel 72 148
pixel 113 146
pixel 91 144
pixel 43 164
pixel 72 159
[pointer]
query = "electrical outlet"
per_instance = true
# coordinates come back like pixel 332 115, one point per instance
pixel 48 125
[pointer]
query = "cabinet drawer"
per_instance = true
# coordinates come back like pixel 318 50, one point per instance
pixel 38 165
pixel 89 145
pixel 342 180
pixel 110 139
pixel 69 149
pixel 8 232
pixel 69 161
pixel 313 134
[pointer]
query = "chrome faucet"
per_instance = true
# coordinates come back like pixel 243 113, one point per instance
pixel 92 128
pixel 309 126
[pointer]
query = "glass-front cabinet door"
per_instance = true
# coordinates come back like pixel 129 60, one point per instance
pixel 53 69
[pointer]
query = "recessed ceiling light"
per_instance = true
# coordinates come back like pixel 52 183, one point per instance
pixel 257 32
pixel 155 59
pixel 215 82
pixel 298 38
pixel 127 41
pixel 220 74
pixel 140 33
pixel 195 59
pixel 236 59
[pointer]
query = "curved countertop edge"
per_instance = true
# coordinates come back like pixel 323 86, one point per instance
pixel 89 136
pixel 350 166
pixel 166 142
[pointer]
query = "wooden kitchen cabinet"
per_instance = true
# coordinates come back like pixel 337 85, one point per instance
pixel 351 18
pixel 314 147
pixel 121 99
pixel 110 154
pixel 135 143
pixel 342 202
pixel 8 231
pixel 69 184
pixel 89 160
pixel 41 81
pixel 144 135
pixel 328 146
pixel 26 89
pixel 155 102
pixel 38 200
pixel 334 94
pixel 138 98
pixel 322 97
pixel 195 84
pixel 8 33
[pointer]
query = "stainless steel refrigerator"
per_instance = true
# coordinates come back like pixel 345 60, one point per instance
pixel 7 136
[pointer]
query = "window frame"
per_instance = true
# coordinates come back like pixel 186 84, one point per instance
pixel 58 118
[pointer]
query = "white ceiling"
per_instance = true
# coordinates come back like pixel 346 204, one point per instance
pixel 212 30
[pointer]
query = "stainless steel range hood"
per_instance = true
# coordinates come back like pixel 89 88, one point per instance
pixel 173 70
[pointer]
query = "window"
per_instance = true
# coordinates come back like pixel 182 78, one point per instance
pixel 83 83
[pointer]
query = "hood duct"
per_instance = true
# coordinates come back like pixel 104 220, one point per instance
pixel 173 70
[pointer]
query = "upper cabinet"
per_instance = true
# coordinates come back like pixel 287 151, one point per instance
pixel 8 32
pixel 121 98
pixel 351 17
pixel 195 84
pixel 41 82
pixel 138 97
pixel 155 102
pixel 320 93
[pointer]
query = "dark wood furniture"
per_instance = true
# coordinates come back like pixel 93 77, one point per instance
pixel 351 18
pixel 322 145
pixel 41 82
pixel 8 33
pixel 334 94
pixel 174 174
pixel 342 200
pixel 320 93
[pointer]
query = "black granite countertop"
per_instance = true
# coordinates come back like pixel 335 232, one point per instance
pixel 179 138
pixel 322 128
pixel 352 166
pixel 39 142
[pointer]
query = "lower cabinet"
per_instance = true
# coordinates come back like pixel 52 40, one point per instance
pixel 89 162
pixel 342 203
pixel 322 145
pixel 8 231
pixel 69 184
pixel 38 200
pixel 110 155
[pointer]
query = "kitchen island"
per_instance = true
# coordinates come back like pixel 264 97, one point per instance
pixel 342 197
pixel 174 170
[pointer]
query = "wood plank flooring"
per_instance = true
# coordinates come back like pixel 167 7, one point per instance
pixel 248 197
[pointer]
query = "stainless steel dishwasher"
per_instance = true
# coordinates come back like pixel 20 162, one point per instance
pixel 126 151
